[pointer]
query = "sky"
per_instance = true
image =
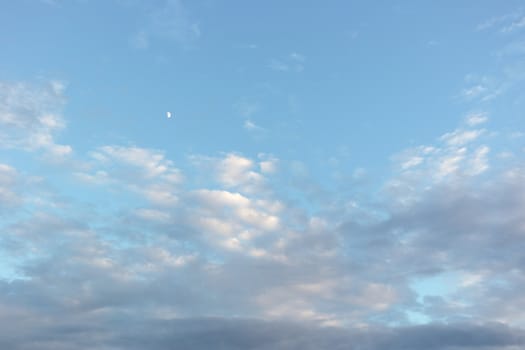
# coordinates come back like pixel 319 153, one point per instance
pixel 334 174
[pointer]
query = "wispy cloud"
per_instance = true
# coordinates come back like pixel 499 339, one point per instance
pixel 482 88
pixel 279 65
pixel 294 62
pixel 250 126
pixel 171 22
pixel 502 20
pixel 514 26
pixel 476 119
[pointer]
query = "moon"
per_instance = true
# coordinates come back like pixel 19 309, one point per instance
pixel 168 114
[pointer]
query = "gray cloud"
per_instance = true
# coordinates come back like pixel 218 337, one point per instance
pixel 137 332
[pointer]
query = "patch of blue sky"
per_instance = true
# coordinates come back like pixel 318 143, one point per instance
pixel 441 285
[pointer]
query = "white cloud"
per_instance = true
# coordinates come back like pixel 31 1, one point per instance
pixel 141 170
pixel 479 161
pixel 514 26
pixel 9 196
pixel 31 116
pixel 234 171
pixel 171 22
pixel 151 163
pixel 220 198
pixel 250 125
pixel 495 21
pixel 450 163
pixel 152 215
pixel 457 156
pixel 232 221
pixel 474 91
pixel 268 164
pixel 461 137
pixel 412 162
pixel 240 246
pixel 482 88
pixel 254 129
pixel 258 218
pixel 294 62
pixel 476 119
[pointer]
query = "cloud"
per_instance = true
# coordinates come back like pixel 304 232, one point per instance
pixel 144 171
pixel 31 116
pixel 232 221
pixel 9 180
pixel 233 334
pixel 459 154
pixel 240 248
pixel 482 88
pixel 514 26
pixel 294 62
pixel 249 125
pixel 234 171
pixel 171 22
pixel 476 119
pixel 463 221
pixel 327 267
pixel 479 160
pixel 268 163
pixel 254 129
pixel 241 244
pixel 499 20
pixel 461 137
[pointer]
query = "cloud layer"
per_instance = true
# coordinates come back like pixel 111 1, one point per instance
pixel 140 252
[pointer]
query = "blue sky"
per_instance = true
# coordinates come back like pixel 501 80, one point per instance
pixel 333 171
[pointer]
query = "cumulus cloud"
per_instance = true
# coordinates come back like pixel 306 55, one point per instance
pixel 329 268
pixel 233 171
pixel 243 261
